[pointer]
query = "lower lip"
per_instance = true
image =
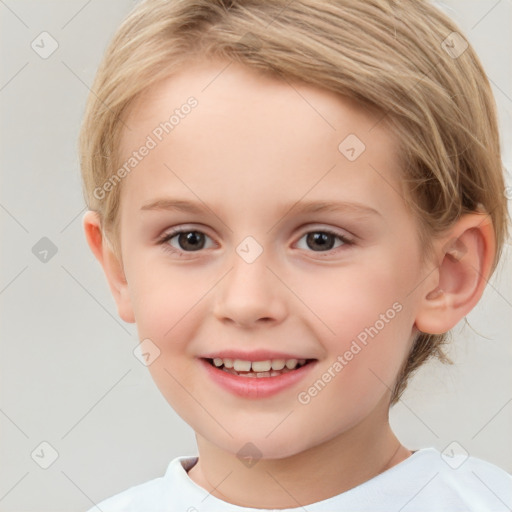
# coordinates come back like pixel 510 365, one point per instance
pixel 256 387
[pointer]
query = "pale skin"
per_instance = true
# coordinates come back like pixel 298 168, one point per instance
pixel 249 151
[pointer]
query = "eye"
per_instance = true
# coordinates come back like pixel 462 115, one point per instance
pixel 187 240
pixel 192 240
pixel 324 239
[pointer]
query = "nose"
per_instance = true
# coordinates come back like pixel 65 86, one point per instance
pixel 250 295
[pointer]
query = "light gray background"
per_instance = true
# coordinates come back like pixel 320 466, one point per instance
pixel 68 375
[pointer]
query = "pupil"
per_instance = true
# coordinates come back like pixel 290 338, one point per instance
pixel 322 239
pixel 191 237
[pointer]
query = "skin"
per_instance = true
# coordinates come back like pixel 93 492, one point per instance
pixel 251 149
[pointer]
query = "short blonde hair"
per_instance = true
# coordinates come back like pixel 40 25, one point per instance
pixel 397 58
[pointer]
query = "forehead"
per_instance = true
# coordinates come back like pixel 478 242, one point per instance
pixel 219 84
pixel 252 133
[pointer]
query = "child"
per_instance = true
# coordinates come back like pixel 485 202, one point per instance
pixel 255 130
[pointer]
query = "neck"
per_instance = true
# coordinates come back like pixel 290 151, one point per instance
pixel 339 464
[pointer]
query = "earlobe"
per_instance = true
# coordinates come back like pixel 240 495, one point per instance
pixel 110 263
pixel 466 254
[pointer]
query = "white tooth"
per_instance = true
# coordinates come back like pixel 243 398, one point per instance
pixel 275 373
pixel 302 361
pixel 263 374
pixel 228 363
pixel 241 366
pixel 217 361
pixel 291 364
pixel 278 364
pixel 250 375
pixel 261 366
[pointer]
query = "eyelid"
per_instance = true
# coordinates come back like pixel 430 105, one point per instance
pixel 176 230
pixel 315 227
pixel 347 241
pixel 342 233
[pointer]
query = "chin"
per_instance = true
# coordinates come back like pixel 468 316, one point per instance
pixel 258 446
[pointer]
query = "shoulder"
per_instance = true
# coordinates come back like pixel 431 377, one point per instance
pixel 456 482
pixel 153 495
pixel 476 480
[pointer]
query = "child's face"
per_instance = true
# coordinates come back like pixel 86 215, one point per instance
pixel 250 150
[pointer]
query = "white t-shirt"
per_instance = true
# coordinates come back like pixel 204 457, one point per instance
pixel 427 481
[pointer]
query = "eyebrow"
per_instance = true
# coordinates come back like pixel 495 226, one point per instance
pixel 171 204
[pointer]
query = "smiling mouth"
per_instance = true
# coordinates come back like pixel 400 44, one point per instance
pixel 258 369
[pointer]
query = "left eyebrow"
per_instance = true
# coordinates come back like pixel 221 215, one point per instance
pixel 172 204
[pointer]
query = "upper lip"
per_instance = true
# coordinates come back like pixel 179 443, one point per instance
pixel 255 355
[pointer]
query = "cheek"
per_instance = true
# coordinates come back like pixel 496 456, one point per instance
pixel 347 300
pixel 365 319
pixel 360 372
pixel 163 297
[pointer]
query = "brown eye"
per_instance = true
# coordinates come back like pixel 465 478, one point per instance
pixel 191 240
pixel 324 240
pixel 185 241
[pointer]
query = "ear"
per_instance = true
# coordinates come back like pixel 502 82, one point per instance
pixel 465 254
pixel 112 267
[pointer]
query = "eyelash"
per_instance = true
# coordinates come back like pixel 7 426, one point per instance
pixel 171 234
